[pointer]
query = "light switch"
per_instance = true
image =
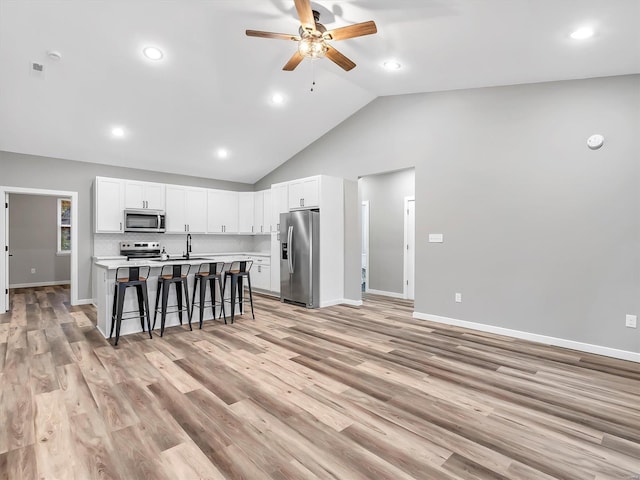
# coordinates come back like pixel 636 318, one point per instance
pixel 436 238
pixel 631 321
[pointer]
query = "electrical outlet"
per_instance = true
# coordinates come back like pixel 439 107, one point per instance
pixel 458 297
pixel 631 321
pixel 33 270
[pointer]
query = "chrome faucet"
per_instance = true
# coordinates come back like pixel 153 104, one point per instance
pixel 188 246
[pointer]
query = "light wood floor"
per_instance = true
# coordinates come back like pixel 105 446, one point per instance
pixel 341 393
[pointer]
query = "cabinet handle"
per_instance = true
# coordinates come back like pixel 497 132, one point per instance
pixel 261 228
pixel 301 203
pixel 252 229
pixel 120 225
pixel 259 268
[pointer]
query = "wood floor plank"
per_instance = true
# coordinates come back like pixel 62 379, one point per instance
pixel 340 393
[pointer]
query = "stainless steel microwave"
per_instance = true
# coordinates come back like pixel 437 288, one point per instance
pixel 144 220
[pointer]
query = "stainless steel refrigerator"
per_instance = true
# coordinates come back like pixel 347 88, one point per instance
pixel 300 258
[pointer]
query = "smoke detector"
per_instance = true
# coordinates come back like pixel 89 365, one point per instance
pixel 54 55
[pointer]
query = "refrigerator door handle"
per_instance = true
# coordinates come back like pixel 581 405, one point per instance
pixel 290 256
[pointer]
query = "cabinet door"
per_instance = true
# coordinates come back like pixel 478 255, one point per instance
pixel 175 221
pixel 258 212
pixel 144 195
pixel 296 195
pixel 196 210
pixel 279 204
pixel 154 196
pixel 134 195
pixel 275 263
pixel 267 226
pixel 311 193
pixel 222 206
pixel 261 277
pixel 245 209
pixel 109 203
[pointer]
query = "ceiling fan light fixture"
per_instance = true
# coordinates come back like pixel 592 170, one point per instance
pixel 312 46
pixel 582 33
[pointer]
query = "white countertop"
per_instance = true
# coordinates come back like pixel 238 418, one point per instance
pixel 113 262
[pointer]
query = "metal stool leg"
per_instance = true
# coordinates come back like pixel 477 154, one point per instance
pixel 203 294
pixel 185 285
pixel 234 285
pixel 179 298
pixel 121 294
pixel 114 309
pixel 250 295
pixel 140 305
pixel 163 314
pixel 155 310
pixel 221 300
pixel 145 296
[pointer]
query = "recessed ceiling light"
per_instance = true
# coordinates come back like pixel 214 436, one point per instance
pixel 277 98
pixel 582 33
pixel 153 53
pixel 391 65
pixel 223 153
pixel 117 132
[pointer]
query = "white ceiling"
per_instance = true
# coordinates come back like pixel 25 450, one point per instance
pixel 213 88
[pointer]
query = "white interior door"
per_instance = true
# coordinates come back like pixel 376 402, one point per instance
pixel 409 252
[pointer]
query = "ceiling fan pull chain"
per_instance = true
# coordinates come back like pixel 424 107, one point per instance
pixel 313 74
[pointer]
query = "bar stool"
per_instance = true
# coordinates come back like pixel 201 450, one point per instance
pixel 236 272
pixel 211 272
pixel 172 275
pixel 134 278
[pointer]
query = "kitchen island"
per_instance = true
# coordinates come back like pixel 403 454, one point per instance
pixel 104 274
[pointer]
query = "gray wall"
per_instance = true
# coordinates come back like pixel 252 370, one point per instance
pixel 386 194
pixel 541 234
pixel 17 170
pixel 32 241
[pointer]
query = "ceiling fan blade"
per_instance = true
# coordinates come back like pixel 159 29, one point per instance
pixel 305 14
pixel 278 36
pixel 293 62
pixel 339 59
pixel 356 30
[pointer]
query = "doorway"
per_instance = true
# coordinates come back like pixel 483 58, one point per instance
pixel 365 246
pixel 409 251
pixel 4 235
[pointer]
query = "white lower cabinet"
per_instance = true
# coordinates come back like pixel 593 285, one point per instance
pixel 261 273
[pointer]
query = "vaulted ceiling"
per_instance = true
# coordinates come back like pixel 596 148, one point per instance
pixel 214 87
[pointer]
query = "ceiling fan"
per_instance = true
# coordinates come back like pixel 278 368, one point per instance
pixel 313 37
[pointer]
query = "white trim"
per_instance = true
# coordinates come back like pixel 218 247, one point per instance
pixel 386 294
pixel 353 303
pixel 4 266
pixel 86 301
pixel 365 223
pixel 404 247
pixel 534 337
pixel 39 284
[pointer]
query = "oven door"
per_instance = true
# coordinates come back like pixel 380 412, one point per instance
pixel 143 221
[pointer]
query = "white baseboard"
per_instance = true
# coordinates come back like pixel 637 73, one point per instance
pixel 534 337
pixel 386 294
pixel 39 284
pixel 354 303
pixel 331 303
pixel 85 301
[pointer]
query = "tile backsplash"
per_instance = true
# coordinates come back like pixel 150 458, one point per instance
pixel 108 244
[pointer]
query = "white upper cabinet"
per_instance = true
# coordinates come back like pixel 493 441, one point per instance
pixel 262 211
pixel 109 201
pixel 245 212
pixel 304 193
pixel 144 195
pixel 186 209
pixel 279 204
pixel 222 206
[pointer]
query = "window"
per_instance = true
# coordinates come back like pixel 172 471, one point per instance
pixel 64 226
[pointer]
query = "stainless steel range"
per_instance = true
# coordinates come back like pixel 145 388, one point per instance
pixel 133 250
